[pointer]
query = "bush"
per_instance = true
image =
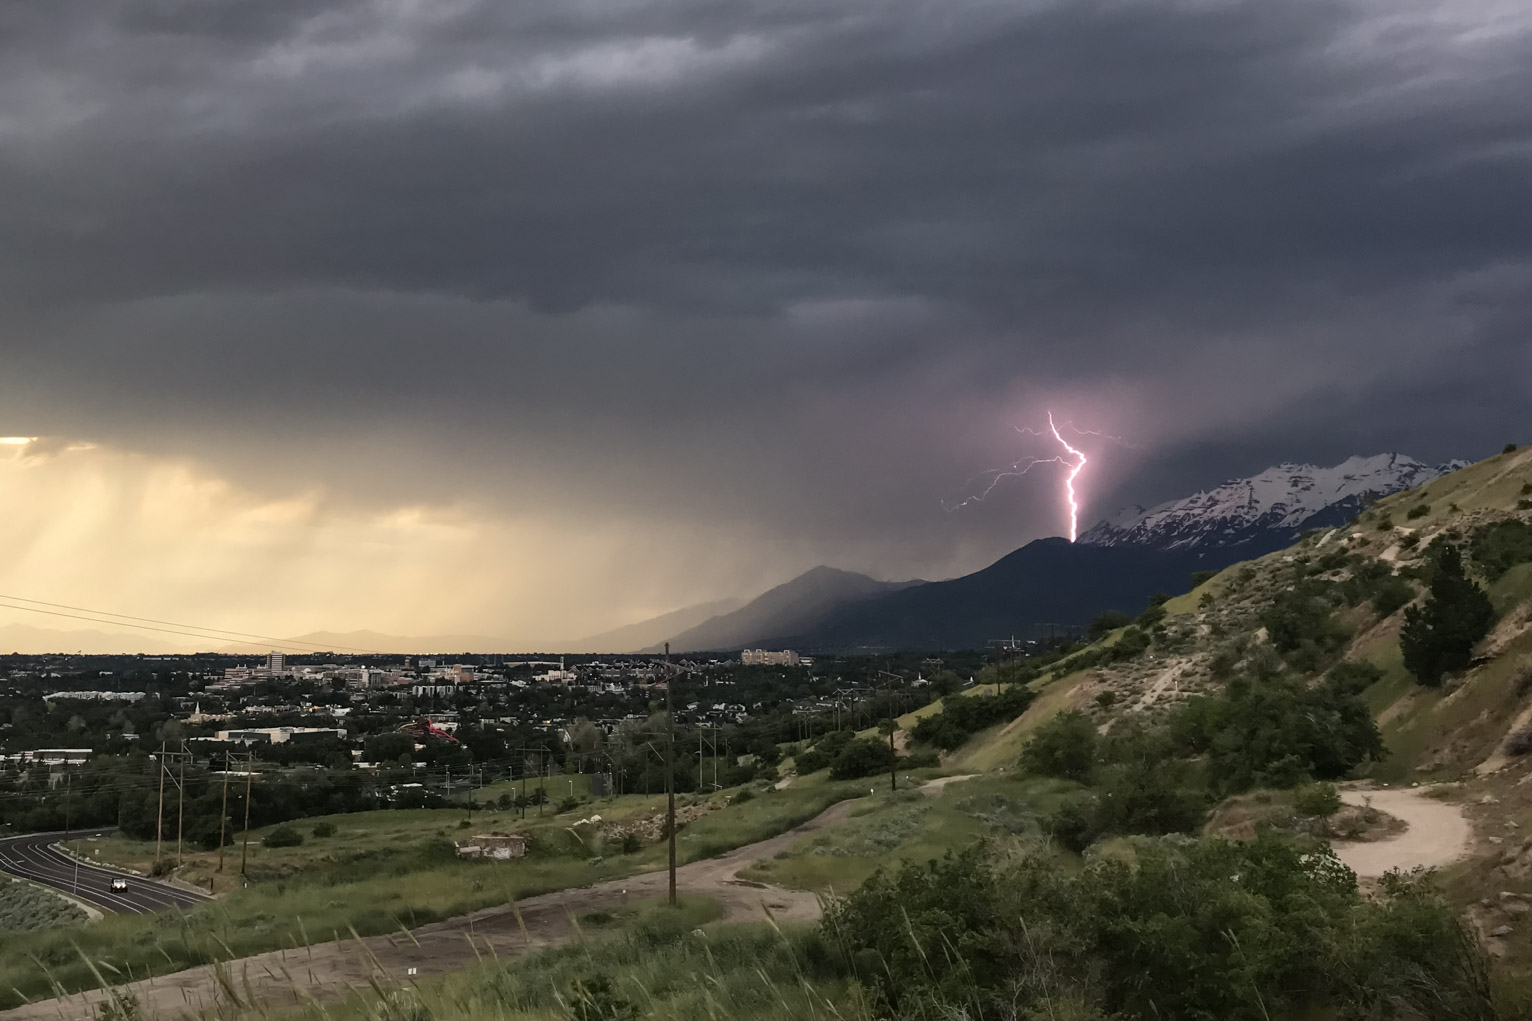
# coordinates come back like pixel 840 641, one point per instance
pixel 1202 577
pixel 631 844
pixel 282 836
pixel 1106 622
pixel 1519 743
pixel 324 829
pixel 1420 510
pixel 1390 595
pixel 964 715
pixel 1212 929
pixel 1510 448
pixel 861 757
pixel 1064 747
pixel 1280 732
pixel 1385 523
pixel 743 796
pixel 1320 800
pixel 811 760
pixel 1498 547
pixel 1438 637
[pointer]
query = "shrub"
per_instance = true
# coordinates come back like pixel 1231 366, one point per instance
pixel 811 760
pixel 1496 548
pixel 1385 523
pixel 631 844
pixel 1064 747
pixel 1320 800
pixel 1106 699
pixel 963 716
pixel 1237 931
pixel 863 756
pixel 1390 595
pixel 1510 448
pixel 324 829
pixel 1202 577
pixel 1280 732
pixel 282 836
pixel 1420 510
pixel 1106 622
pixel 743 796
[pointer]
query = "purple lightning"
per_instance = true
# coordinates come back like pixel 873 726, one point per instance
pixel 1073 459
pixel 1069 481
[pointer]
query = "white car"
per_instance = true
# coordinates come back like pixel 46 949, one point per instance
pixel 119 884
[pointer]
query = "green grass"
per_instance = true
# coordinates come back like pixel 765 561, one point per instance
pixel 381 872
pixel 25 907
pixel 998 747
pixel 911 826
pixel 657 964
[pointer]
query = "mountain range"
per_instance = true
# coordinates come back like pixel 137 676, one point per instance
pixel 1116 565
pixel 1270 510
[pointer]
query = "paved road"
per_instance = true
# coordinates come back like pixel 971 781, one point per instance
pixel 33 857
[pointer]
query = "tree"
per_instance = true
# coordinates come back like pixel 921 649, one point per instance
pixel 1439 635
pixel 1108 621
pixel 1064 747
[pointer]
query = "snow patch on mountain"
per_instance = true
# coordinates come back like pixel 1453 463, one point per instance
pixel 1273 506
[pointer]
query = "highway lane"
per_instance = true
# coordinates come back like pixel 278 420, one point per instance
pixel 32 857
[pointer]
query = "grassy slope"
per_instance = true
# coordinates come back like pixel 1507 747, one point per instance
pixel 372 877
pixel 911 826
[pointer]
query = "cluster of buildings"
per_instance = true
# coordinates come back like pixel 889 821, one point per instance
pixel 763 657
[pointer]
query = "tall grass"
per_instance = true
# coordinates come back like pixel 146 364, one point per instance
pixel 660 965
pixel 380 893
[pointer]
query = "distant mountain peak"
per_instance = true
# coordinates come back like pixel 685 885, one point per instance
pixel 1267 509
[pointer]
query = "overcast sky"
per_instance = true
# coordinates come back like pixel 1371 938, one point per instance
pixel 530 319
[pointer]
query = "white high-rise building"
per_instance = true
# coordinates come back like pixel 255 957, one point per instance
pixel 277 662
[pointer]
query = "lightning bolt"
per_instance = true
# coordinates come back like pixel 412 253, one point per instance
pixel 1073 459
pixel 1015 470
pixel 1069 480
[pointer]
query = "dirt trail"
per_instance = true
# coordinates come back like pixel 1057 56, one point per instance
pixel 1438 833
pixel 289 978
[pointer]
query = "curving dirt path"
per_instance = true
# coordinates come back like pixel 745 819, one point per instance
pixel 1437 834
pixel 327 971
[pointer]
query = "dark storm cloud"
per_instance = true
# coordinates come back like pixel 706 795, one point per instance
pixel 836 247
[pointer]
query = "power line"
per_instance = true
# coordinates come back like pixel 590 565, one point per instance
pixel 191 630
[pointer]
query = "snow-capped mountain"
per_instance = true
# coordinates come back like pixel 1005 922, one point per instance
pixel 1270 509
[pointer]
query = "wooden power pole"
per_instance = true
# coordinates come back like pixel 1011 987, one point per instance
pixel 670 771
pixel 159 815
pixel 244 851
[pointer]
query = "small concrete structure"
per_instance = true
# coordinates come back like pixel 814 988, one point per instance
pixel 500 848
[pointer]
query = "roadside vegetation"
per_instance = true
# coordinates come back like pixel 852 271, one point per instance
pixel 1199 929
pixel 383 872
pixel 25 907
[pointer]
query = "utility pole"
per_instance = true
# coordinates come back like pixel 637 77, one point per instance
pixel 67 777
pixel 181 801
pixel 159 815
pixel 470 794
pixel 670 771
pixel 223 815
pixel 244 852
